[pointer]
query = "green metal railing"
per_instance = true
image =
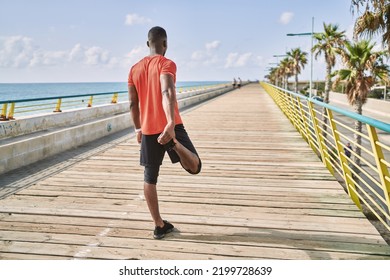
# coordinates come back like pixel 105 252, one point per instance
pixel 364 170
pixel 27 107
pixel 23 107
pixel 183 89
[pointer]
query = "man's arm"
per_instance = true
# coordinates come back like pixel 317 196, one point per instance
pixel 134 110
pixel 169 100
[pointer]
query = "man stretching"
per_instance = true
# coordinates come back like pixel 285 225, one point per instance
pixel 157 122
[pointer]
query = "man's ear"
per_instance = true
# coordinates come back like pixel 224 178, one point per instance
pixel 147 43
pixel 165 43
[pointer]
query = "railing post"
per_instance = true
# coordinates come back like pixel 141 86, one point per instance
pixel 58 106
pixel 11 111
pixel 293 113
pixel 289 107
pixel 277 97
pixel 284 96
pixel 303 130
pixel 90 101
pixel 320 139
pixel 282 100
pixel 114 99
pixel 382 168
pixel 3 116
pixel 343 162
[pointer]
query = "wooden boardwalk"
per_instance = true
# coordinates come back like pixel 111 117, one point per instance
pixel 262 194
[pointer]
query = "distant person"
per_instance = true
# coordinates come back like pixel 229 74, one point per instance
pixel 234 83
pixel 347 150
pixel 157 122
pixel 239 83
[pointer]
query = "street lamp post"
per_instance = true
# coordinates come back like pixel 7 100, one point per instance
pixel 311 51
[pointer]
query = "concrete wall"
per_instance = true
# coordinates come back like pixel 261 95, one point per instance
pixel 33 148
pixel 55 133
pixel 33 124
pixel 373 106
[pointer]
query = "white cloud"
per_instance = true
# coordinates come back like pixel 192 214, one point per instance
pixel 231 58
pixel 243 59
pixel 135 55
pixel 20 52
pixel 213 45
pixel 238 60
pixel 48 58
pixel 96 55
pixel 76 54
pixel 286 17
pixel 206 56
pixel 137 51
pixel 17 51
pixel 133 19
pixel 197 55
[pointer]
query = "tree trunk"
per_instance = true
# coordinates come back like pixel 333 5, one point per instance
pixel 326 98
pixel 286 82
pixel 358 107
pixel 296 82
pixel 327 82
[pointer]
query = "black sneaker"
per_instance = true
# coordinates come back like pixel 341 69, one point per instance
pixel 159 233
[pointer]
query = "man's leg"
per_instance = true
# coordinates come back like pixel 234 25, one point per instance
pixel 185 151
pixel 152 154
pixel 150 192
pixel 189 160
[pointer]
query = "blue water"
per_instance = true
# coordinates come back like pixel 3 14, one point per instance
pixel 43 90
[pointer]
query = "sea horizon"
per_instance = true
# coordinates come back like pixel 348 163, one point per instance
pixel 28 90
pixel 88 82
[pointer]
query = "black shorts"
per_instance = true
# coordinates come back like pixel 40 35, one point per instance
pixel 152 152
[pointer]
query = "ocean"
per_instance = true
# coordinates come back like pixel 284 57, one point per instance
pixel 20 91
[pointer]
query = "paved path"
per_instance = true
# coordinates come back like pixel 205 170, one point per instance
pixel 262 194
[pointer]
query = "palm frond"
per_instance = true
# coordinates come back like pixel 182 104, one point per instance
pixel 374 20
pixel 364 67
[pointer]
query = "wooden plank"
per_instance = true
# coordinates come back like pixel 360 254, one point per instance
pixel 262 194
pixel 177 245
pixel 261 222
pixel 92 226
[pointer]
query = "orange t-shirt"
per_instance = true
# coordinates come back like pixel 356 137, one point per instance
pixel 145 76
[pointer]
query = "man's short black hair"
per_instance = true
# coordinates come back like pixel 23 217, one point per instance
pixel 157 34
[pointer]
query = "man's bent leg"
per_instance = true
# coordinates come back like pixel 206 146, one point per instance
pixel 189 160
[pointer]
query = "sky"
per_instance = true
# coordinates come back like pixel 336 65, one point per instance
pixel 209 40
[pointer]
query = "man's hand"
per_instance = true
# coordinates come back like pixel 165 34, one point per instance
pixel 139 137
pixel 167 134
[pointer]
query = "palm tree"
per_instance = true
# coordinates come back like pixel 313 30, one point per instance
pixel 285 70
pixel 328 42
pixel 364 67
pixel 374 20
pixel 298 62
pixel 272 76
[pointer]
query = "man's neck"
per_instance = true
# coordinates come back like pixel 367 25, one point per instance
pixel 154 51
